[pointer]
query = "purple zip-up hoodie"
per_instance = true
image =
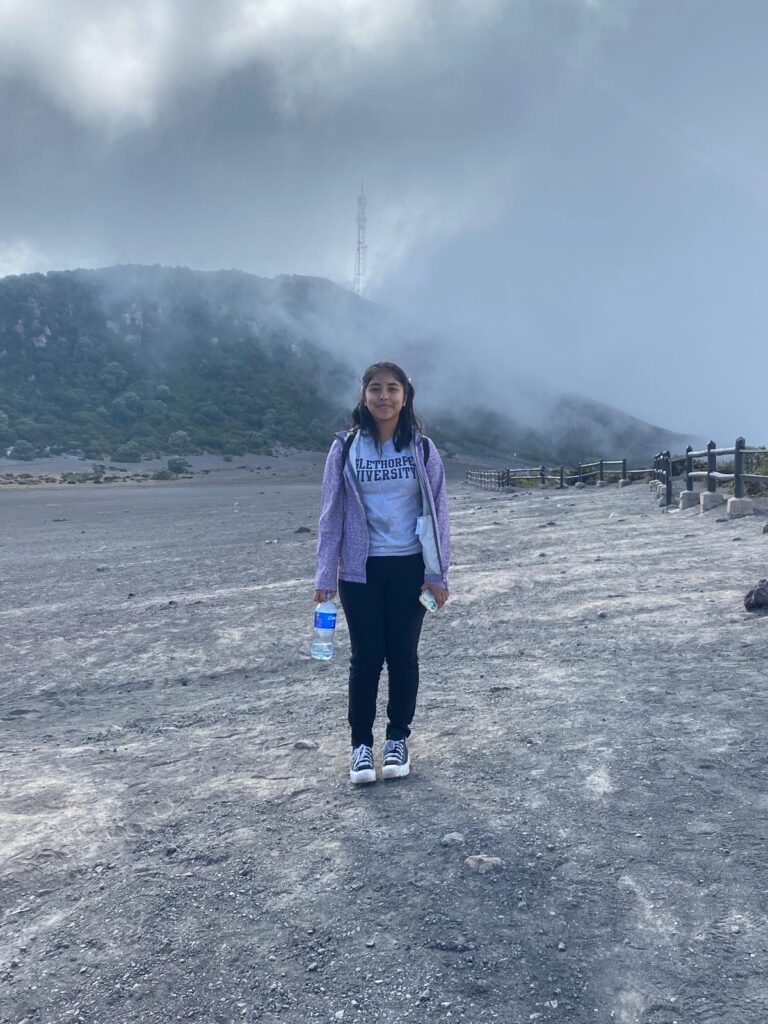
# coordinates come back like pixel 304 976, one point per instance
pixel 342 542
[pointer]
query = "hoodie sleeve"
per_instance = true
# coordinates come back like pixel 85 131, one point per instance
pixel 436 476
pixel 331 521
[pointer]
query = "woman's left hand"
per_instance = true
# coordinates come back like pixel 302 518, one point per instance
pixel 441 594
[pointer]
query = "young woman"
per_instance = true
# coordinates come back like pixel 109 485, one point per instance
pixel 383 537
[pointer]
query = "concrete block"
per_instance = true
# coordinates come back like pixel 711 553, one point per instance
pixel 688 499
pixel 739 507
pixel 708 501
pixel 624 483
pixel 601 483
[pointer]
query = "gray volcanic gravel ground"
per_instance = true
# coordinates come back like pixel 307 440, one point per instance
pixel 178 837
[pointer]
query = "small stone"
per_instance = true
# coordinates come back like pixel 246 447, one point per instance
pixel 561 947
pixel 452 839
pixel 481 863
pixel 371 943
pixel 312 966
pixel 305 745
pixel 735 930
pixel 542 554
pixel 425 996
pixel 305 529
pixel 339 1015
pixel 602 615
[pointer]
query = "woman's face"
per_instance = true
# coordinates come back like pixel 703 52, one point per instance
pixel 384 397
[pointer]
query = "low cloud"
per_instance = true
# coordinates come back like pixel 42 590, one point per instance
pixel 117 65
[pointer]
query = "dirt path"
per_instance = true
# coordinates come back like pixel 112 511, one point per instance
pixel 593 713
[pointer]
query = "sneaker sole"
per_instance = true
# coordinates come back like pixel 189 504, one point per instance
pixel 364 776
pixel 395 771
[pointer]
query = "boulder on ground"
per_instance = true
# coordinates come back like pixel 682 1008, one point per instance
pixel 757 597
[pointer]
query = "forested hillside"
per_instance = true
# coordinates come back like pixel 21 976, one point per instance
pixel 136 359
pixel 128 361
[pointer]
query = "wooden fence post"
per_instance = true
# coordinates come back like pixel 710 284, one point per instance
pixel 542 476
pixel 688 468
pixel 668 477
pixel 738 468
pixel 711 467
pixel 623 469
pixel 562 478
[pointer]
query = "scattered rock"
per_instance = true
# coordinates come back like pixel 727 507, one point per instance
pixel 312 966
pixel 602 615
pixel 735 930
pixel 722 519
pixel 452 839
pixel 482 864
pixel 580 484
pixel 757 597
pixel 131 594
pixel 305 745
pixel 305 529
pixel 102 568
pixel 561 947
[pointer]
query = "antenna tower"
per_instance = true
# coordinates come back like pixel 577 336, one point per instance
pixel 361 255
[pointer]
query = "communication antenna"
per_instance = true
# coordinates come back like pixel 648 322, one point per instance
pixel 358 285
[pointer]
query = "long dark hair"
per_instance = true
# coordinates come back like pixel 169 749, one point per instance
pixel 408 422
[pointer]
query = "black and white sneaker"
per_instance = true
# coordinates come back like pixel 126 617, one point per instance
pixel 361 768
pixel 395 764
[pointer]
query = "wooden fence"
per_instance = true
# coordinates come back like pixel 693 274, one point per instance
pixel 501 479
pixel 665 467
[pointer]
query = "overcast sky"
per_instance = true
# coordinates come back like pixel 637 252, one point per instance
pixel 574 188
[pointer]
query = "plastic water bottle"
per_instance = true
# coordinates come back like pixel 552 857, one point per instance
pixel 325 625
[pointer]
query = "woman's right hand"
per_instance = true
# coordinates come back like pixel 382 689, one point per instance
pixel 324 595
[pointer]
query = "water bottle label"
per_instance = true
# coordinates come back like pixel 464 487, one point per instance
pixel 325 620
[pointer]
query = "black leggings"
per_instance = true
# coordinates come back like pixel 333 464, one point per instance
pixel 384 617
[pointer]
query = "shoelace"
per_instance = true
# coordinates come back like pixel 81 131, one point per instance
pixel 363 758
pixel 394 748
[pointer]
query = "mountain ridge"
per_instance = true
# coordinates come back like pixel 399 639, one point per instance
pixel 132 359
